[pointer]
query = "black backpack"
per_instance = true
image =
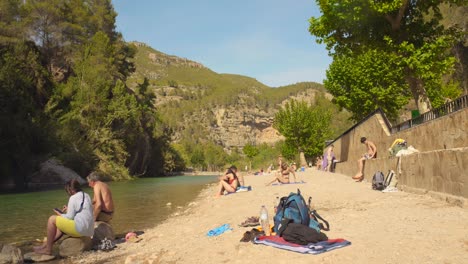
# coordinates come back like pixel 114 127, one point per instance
pixel 294 207
pixel 380 182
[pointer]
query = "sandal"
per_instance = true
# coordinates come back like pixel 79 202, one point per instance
pixel 251 221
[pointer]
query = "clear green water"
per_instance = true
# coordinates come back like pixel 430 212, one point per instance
pixel 140 204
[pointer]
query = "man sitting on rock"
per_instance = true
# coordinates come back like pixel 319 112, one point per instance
pixel 102 199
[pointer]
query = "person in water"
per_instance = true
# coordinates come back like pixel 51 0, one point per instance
pixel 75 219
pixel 103 204
pixel 283 175
pixel 228 182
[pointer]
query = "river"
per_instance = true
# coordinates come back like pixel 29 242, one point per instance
pixel 140 204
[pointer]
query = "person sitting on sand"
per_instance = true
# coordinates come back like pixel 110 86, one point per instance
pixel 371 154
pixel 76 220
pixel 228 182
pixel 283 175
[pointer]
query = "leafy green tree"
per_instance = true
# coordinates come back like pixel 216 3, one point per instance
pixel 362 89
pixel 305 127
pixel 250 151
pixel 198 158
pixel 407 32
pixel 215 157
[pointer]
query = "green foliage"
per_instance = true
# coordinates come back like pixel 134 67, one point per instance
pixel 365 82
pixel 305 127
pixel 24 86
pixel 250 151
pixel 407 33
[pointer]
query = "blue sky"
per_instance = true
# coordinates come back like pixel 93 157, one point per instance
pixel 264 39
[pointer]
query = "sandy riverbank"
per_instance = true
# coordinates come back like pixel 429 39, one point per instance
pixel 383 227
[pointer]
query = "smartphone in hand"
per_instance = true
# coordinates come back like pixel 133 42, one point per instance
pixel 58 210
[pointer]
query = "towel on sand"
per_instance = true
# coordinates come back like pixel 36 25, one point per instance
pixel 277 183
pixel 312 248
pixel 241 189
pixel 218 230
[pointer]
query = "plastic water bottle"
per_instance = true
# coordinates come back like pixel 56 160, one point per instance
pixel 264 222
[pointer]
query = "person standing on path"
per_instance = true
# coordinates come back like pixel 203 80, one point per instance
pixel 328 158
pixel 371 154
pixel 102 200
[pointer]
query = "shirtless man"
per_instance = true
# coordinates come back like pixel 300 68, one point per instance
pixel 371 154
pixel 102 199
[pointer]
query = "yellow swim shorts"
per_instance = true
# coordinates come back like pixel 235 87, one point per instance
pixel 67 226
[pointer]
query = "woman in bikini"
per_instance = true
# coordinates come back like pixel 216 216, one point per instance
pixel 228 182
pixel 283 175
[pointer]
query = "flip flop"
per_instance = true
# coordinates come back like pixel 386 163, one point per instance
pixel 360 179
pixel 251 221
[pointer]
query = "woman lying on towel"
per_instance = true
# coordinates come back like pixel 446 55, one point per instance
pixel 283 175
pixel 228 182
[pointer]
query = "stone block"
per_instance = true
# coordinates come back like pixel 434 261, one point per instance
pixel 10 254
pixel 102 230
pixel 73 246
pixel 34 257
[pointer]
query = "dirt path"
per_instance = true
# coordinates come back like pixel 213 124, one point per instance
pixel 383 227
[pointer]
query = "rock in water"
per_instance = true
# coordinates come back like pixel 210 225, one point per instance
pixel 10 254
pixel 73 246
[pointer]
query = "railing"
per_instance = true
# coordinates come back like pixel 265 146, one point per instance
pixel 453 106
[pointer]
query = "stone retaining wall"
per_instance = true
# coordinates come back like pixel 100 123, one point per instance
pixel 441 166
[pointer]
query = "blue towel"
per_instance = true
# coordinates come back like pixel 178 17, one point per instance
pixel 219 230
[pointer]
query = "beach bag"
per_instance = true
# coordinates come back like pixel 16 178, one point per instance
pixel 378 181
pixel 294 208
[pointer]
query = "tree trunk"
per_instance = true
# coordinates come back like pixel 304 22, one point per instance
pixel 302 159
pixel 419 94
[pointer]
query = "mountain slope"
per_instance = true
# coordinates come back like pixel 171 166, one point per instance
pixel 202 105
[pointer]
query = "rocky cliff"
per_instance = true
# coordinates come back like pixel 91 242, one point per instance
pixel 230 110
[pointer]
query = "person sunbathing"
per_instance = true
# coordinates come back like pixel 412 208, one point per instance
pixel 283 175
pixel 228 182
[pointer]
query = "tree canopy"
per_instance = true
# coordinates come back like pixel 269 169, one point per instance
pixel 305 127
pixel 385 52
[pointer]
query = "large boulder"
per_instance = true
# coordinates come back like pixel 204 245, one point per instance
pixel 53 173
pixel 102 230
pixel 10 254
pixel 73 246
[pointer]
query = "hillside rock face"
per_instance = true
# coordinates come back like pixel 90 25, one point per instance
pixel 228 109
pixel 234 128
pixel 239 125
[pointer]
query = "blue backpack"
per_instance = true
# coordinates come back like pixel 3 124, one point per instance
pixel 294 208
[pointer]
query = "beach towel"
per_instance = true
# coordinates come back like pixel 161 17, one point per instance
pixel 277 183
pixel 312 248
pixel 241 189
pixel 218 230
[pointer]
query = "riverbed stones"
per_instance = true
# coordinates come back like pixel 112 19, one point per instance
pixel 102 230
pixel 73 246
pixel 34 257
pixel 10 254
